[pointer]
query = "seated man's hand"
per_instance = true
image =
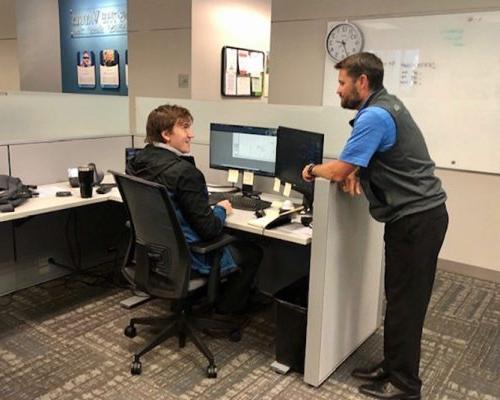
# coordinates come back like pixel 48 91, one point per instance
pixel 351 184
pixel 226 205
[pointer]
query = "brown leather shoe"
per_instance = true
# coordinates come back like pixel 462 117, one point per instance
pixel 377 373
pixel 386 390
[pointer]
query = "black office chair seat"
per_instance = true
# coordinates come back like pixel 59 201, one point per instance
pixel 194 284
pixel 161 267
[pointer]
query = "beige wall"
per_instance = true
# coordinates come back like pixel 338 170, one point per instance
pixel 159 41
pixel 9 63
pixel 159 48
pixel 39 45
pixel 297 38
pixel 298 44
pixel 473 236
pixel 240 23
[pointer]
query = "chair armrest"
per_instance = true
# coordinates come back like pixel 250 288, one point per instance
pixel 214 276
pixel 211 245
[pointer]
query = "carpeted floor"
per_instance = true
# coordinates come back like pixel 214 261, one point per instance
pixel 64 340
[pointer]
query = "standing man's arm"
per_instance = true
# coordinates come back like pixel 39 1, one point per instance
pixel 374 130
pixel 335 171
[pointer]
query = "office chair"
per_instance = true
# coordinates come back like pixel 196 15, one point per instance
pixel 162 268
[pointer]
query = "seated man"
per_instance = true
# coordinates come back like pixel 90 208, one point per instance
pixel 166 160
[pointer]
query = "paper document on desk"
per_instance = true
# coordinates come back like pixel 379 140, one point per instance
pixel 51 190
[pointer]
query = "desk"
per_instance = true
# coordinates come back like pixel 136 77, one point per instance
pixel 48 202
pixel 345 298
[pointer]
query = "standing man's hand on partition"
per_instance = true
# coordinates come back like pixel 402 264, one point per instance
pixel 351 184
pixel 307 173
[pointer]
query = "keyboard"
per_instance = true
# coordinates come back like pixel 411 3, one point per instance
pixel 238 201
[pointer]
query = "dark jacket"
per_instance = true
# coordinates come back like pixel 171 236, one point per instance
pixel 188 191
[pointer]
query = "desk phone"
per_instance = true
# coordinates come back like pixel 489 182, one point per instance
pixel 273 221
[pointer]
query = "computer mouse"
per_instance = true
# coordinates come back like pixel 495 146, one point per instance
pixel 260 213
pixel 287 205
pixel 103 189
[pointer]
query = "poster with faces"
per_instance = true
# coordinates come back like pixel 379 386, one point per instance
pixel 109 69
pixel 85 69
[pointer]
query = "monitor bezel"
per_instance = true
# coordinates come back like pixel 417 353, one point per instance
pixel 301 186
pixel 227 168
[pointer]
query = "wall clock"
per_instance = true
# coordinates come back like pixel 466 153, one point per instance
pixel 343 40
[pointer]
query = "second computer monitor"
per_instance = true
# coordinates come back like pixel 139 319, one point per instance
pixel 295 149
pixel 247 148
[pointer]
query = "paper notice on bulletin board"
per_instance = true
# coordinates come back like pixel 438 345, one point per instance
pixel 243 86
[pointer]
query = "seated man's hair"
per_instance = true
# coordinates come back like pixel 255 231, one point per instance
pixel 164 118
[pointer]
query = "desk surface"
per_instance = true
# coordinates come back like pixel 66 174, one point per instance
pixel 48 202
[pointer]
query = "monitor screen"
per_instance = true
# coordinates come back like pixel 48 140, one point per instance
pixel 241 147
pixel 295 149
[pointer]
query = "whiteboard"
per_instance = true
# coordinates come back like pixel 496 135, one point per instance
pixel 446 69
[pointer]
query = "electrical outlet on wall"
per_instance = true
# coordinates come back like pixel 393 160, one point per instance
pixel 183 81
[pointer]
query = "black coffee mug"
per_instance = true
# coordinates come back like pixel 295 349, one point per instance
pixel 86 180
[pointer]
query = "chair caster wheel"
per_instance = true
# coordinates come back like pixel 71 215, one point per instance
pixel 130 331
pixel 235 336
pixel 212 371
pixel 136 368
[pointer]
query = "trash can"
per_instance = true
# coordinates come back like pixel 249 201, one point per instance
pixel 291 324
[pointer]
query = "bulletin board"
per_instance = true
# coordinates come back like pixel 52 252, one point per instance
pixel 446 69
pixel 242 72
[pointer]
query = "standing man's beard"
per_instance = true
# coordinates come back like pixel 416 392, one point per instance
pixel 352 101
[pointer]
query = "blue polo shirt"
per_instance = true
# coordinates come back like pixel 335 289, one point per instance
pixel 374 131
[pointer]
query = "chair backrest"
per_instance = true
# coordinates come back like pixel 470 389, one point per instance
pixel 163 261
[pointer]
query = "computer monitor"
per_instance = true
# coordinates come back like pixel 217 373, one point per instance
pixel 246 148
pixel 295 149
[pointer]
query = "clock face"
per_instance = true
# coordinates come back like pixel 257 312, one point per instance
pixel 343 40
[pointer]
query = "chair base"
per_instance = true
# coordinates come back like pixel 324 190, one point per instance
pixel 181 325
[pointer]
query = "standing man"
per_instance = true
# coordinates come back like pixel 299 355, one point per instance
pixel 387 157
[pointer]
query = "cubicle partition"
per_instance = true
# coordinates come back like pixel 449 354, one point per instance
pixel 42 135
pixel 78 238
pixel 29 116
pixel 48 161
pixel 332 121
pixel 346 277
pixel 4 160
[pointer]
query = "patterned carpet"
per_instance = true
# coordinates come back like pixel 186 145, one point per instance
pixel 64 340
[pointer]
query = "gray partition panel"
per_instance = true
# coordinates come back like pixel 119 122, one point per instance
pixel 4 160
pixel 47 162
